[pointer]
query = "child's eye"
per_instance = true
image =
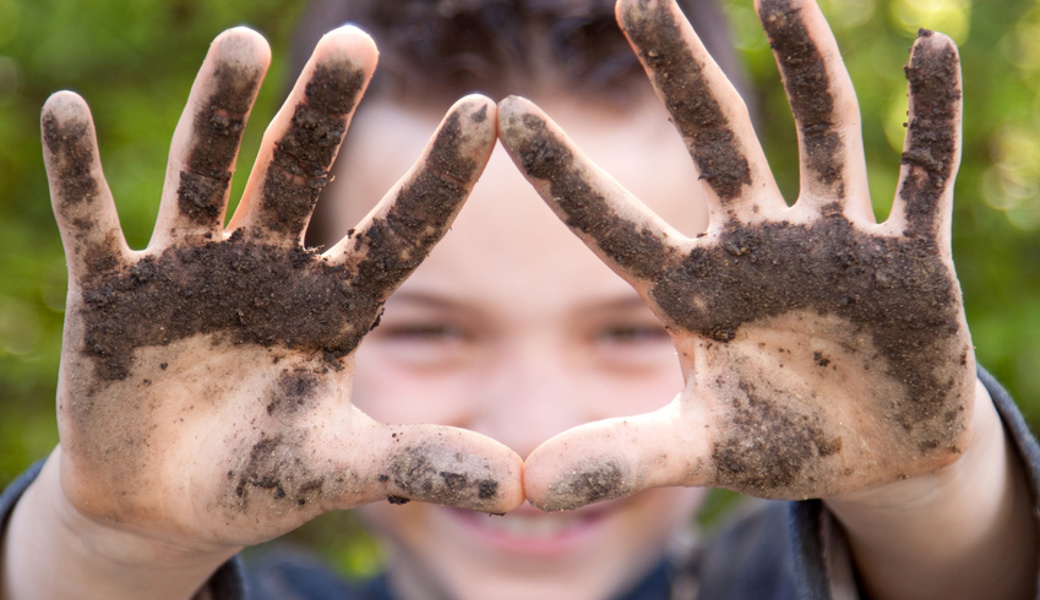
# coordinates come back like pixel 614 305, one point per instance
pixel 421 332
pixel 632 333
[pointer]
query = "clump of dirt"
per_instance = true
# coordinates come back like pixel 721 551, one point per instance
pixel 243 291
pixel 636 250
pixel 765 447
pixel 681 83
pixel 217 135
pixel 932 131
pixel 432 475
pixel 593 482
pixel 808 90
pixel 300 163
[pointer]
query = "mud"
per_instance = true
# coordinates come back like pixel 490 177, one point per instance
pixel 72 159
pixel 766 448
pixel 590 483
pixel 301 159
pixel 932 132
pixel 637 250
pixel 681 82
pixel 808 90
pixel 292 393
pixel 241 291
pixel 897 292
pixel 217 135
pixel 275 473
pixel 427 474
pixel 395 245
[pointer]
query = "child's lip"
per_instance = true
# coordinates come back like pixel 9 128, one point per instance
pixel 532 532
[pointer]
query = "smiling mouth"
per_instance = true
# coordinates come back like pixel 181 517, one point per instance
pixel 531 532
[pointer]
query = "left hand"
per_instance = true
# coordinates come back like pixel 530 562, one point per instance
pixel 823 352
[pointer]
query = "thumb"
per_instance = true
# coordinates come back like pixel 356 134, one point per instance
pixel 618 457
pixel 430 463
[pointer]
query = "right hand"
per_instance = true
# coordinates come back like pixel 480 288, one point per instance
pixel 204 392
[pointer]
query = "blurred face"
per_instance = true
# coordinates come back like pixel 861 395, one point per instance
pixel 514 329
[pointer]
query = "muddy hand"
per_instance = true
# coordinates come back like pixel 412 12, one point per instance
pixel 823 352
pixel 205 381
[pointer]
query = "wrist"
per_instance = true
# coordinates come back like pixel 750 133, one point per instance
pixel 96 559
pixel 951 533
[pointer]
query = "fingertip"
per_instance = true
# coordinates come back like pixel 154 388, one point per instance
pixel 593 479
pixel 65 105
pixel 242 47
pixel 452 467
pixel 518 119
pixel 349 43
pixel 65 114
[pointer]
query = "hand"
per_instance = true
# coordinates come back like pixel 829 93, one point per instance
pixel 823 352
pixel 204 395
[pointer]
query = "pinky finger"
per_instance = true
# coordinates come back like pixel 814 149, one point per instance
pixel 82 201
pixel 931 153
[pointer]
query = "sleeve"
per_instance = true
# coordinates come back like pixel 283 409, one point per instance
pixel 822 567
pixel 228 583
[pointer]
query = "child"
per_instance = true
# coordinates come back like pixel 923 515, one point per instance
pixel 212 386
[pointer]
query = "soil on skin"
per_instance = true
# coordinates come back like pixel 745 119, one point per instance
pixel 245 292
pixel 217 134
pixel 300 163
pixel 429 474
pixel 274 471
pixel 695 111
pixel 932 132
pixel 767 447
pixel 72 159
pixel 808 90
pixel 590 483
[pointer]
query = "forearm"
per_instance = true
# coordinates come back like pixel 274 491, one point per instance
pixel 966 532
pixel 50 551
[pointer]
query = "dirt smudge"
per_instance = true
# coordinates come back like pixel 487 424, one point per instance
pixel 593 481
pixel 696 112
pixel 437 475
pixel 217 134
pixel 301 159
pixel 241 291
pixel 808 90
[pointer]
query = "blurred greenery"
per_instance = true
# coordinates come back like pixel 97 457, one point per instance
pixel 134 61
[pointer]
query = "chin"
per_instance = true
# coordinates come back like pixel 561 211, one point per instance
pixel 592 553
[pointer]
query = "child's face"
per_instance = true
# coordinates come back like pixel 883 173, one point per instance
pixel 514 329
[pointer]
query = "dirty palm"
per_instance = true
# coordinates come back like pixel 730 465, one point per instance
pixel 822 352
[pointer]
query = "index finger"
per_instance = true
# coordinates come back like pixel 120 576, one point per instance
pixel 620 229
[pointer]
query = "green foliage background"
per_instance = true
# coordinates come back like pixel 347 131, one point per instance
pixel 134 61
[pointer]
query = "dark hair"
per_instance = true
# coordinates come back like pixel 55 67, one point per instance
pixel 440 50
pixel 432 52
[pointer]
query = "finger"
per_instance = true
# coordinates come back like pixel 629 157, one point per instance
pixel 304 138
pixel 345 459
pixel 622 231
pixel 402 229
pixel 932 150
pixel 208 135
pixel 80 196
pixel 705 107
pixel 824 105
pixel 615 458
